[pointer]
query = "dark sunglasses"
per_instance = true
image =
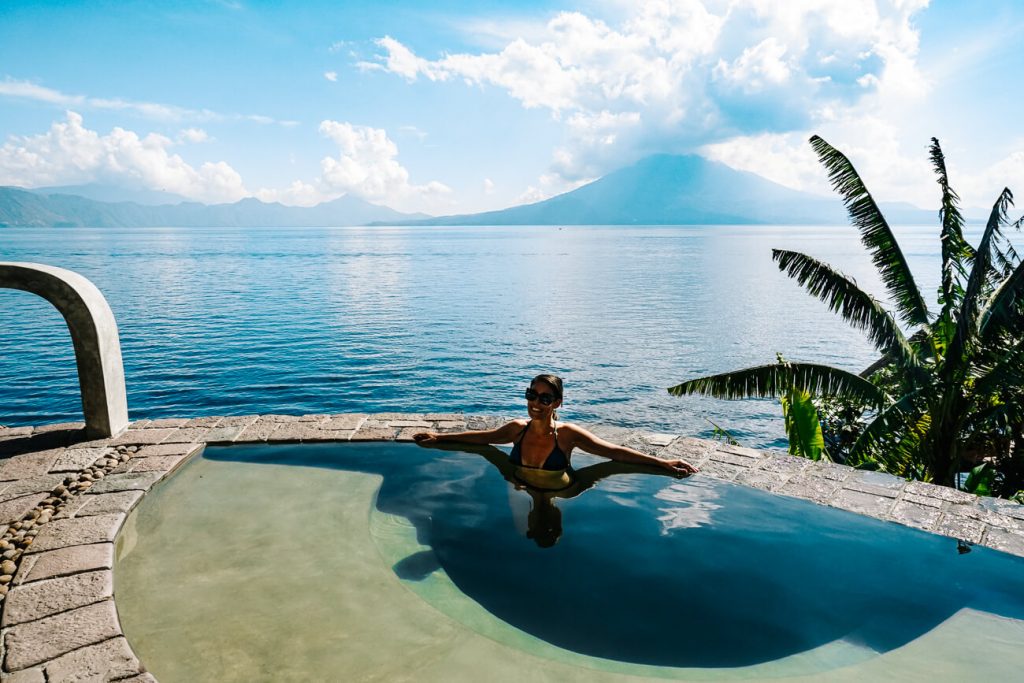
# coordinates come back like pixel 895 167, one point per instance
pixel 545 399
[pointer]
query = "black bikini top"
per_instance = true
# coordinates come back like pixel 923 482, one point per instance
pixel 556 460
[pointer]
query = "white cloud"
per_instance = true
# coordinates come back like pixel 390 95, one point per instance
pixel 69 153
pixel 193 135
pixel 675 75
pixel 367 166
pixel 151 110
pixel 488 186
pixel 332 76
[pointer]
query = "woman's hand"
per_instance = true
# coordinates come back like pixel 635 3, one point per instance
pixel 426 438
pixel 678 467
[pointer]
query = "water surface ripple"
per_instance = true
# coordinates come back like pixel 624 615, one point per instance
pixel 241 321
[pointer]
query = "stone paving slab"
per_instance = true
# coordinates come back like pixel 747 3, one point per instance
pixel 61 533
pixel 63 561
pixel 106 661
pixel 36 642
pixel 58 616
pixel 33 601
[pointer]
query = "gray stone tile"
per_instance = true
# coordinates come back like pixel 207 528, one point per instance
pixel 914 514
pixel 62 533
pixel 39 599
pixel 141 678
pixel 164 449
pixel 107 503
pixel 725 471
pixel 864 503
pixel 184 435
pixel 296 431
pixel 39 641
pixel 421 424
pixel 969 530
pixel 1005 540
pixel 203 422
pixel 660 439
pixel 14 509
pixel 811 487
pixel 734 459
pixel 59 427
pixel 788 465
pixel 139 424
pixel 156 463
pixel 741 450
pixel 686 447
pixel 449 426
pixel 138 437
pixel 258 431
pixel 877 483
pixel 25 676
pixel 8 432
pixel 374 434
pixel 282 418
pixel 77 459
pixel 920 488
pixel 64 561
pixel 24 487
pixel 111 659
pixel 831 470
pixel 222 434
pixel 762 479
pixel 347 422
pixel 28 465
pixel 922 500
pixel 445 417
pixel 237 420
pixel 140 481
pixel 1004 507
pixel 314 418
pixel 166 422
pixel 407 433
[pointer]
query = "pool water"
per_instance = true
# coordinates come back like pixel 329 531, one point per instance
pixel 389 561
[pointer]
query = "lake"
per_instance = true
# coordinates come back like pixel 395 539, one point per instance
pixel 410 319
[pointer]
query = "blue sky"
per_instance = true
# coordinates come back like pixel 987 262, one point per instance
pixel 454 107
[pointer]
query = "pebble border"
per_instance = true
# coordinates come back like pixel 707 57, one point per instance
pixel 62 503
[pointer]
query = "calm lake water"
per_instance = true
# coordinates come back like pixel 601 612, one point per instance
pixel 242 321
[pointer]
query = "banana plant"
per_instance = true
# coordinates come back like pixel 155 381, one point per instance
pixel 945 381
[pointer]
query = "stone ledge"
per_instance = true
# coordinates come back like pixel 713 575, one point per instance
pixel 60 621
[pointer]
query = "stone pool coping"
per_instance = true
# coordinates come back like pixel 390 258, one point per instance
pixel 63 501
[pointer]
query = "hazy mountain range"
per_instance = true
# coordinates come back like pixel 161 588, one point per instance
pixel 659 190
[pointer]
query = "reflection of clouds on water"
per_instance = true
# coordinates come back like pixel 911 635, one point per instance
pixel 626 484
pixel 696 506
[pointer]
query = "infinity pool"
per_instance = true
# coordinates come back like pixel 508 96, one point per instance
pixel 389 561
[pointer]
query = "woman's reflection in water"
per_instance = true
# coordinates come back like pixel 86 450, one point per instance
pixel 540 519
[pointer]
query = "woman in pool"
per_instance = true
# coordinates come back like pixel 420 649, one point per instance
pixel 542 446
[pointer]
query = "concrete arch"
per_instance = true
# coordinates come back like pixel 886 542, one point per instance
pixel 93 333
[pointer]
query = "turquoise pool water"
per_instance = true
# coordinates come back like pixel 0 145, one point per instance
pixel 369 560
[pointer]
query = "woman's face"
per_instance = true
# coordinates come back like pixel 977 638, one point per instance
pixel 536 407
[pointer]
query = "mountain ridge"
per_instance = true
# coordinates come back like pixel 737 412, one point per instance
pixel 666 189
pixel 25 208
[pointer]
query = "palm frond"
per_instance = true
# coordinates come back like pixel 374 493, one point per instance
pixel 1004 310
pixel 844 297
pixel 875 233
pixel 956 252
pixel 886 430
pixel 776 379
pixel 967 321
pixel 1005 370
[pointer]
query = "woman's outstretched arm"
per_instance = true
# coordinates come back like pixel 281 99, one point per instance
pixel 503 434
pixel 586 441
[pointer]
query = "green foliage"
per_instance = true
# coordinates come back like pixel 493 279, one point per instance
pixel 802 425
pixel 948 387
pixel 982 480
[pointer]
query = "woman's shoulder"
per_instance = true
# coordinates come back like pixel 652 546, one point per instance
pixel 574 429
